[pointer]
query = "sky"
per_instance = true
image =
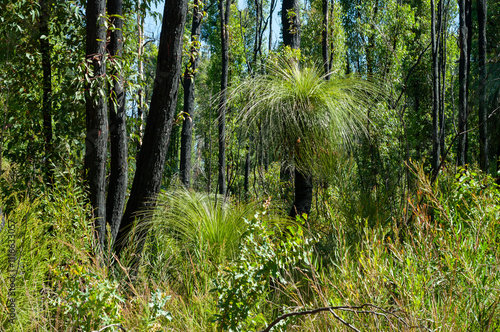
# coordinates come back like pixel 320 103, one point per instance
pixel 153 28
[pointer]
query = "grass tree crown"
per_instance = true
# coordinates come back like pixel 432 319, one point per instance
pixel 308 118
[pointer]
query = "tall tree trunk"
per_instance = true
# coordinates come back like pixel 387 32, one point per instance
pixel 96 115
pixel 224 22
pixel 47 89
pixel 272 6
pixel 435 36
pixel 151 159
pixel 291 23
pixel 483 111
pixel 444 11
pixel 463 77
pixel 189 82
pixel 325 44
pixel 140 92
pixel 117 187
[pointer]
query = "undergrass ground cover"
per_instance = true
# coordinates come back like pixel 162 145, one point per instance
pixel 430 265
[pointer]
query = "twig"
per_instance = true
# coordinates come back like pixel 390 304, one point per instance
pixel 112 325
pixel 354 309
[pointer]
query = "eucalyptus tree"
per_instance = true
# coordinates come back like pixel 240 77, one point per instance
pixel 189 85
pixel 118 178
pixel 152 155
pixel 483 110
pixel 96 114
pixel 465 34
pixel 224 11
pixel 307 117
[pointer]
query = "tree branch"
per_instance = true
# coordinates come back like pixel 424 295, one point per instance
pixel 355 309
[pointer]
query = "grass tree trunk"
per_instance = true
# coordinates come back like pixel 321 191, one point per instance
pixel 224 21
pixel 483 113
pixel 291 37
pixel 47 88
pixel 151 159
pixel 96 115
pixel 463 78
pixel 117 187
pixel 189 79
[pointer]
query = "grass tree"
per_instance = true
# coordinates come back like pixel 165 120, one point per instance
pixel 308 118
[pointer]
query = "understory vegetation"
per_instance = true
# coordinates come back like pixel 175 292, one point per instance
pixel 209 265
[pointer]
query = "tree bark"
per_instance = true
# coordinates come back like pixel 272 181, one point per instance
pixel 325 44
pixel 151 159
pixel 436 143
pixel 47 89
pixel 117 187
pixel 224 21
pixel 291 23
pixel 140 92
pixel 483 111
pixel 96 115
pixel 272 6
pixel 189 85
pixel 303 194
pixel 463 77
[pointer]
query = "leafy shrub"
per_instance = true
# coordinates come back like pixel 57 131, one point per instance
pixel 265 253
pixel 87 301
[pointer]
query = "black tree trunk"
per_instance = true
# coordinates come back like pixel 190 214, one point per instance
pixel 96 115
pixel 463 77
pixel 47 89
pixel 435 36
pixel 303 194
pixel 117 187
pixel 189 80
pixel 483 111
pixel 291 23
pixel 151 159
pixel 224 19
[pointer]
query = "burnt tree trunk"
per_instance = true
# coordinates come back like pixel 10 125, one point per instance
pixel 435 36
pixel 189 80
pixel 463 77
pixel 483 110
pixel 224 21
pixel 96 115
pixel 151 159
pixel 117 187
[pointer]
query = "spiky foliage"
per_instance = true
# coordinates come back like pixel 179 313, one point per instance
pixel 208 228
pixel 308 116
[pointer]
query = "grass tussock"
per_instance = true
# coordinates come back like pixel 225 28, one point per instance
pixel 433 266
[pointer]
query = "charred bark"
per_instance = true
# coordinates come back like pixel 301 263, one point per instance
pixel 118 178
pixel 151 159
pixel 189 86
pixel 96 115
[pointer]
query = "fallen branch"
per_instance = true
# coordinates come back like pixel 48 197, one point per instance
pixel 119 326
pixel 355 309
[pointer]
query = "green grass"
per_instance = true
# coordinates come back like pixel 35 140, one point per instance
pixel 435 264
